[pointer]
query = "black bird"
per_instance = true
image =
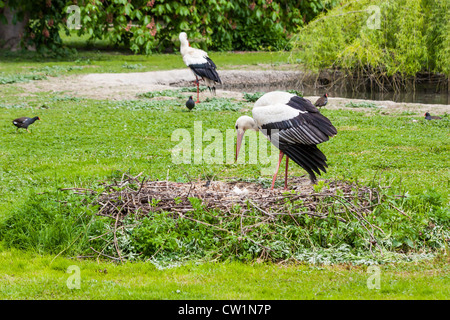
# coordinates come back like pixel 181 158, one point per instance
pixel 322 101
pixel 24 122
pixel 190 104
pixel 429 117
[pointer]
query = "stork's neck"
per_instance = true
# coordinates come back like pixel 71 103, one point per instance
pixel 184 45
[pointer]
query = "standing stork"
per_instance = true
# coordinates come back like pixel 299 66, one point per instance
pixel 201 65
pixel 294 125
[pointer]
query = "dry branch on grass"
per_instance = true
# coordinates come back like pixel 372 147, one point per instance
pixel 131 197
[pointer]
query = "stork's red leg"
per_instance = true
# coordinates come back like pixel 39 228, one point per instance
pixel 278 167
pixel 285 173
pixel 198 100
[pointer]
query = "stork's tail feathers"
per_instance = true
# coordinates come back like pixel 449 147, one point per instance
pixel 309 157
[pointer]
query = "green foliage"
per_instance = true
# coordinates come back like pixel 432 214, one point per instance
pixel 361 105
pixel 171 93
pixel 252 97
pixel 219 104
pixel 209 104
pixel 153 25
pixel 412 37
pixel 147 26
pixel 47 224
pixel 7 79
pixel 37 74
pixel 411 225
pixel 42 31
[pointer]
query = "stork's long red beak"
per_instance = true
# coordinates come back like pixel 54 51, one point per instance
pixel 240 136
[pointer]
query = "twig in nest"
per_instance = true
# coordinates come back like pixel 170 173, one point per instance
pixel 105 255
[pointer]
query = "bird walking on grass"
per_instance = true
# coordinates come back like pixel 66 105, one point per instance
pixel 322 101
pixel 24 122
pixel 200 64
pixel 430 117
pixel 190 104
pixel 294 125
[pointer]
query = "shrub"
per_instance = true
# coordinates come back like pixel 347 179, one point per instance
pixel 413 36
pixel 47 224
pixel 146 26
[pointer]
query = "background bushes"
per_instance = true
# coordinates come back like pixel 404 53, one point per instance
pixel 413 37
pixel 146 26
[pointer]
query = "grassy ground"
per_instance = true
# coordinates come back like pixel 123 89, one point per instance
pixel 80 142
pixel 30 276
pixel 23 67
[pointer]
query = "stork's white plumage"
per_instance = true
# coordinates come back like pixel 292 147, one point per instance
pixel 200 64
pixel 294 125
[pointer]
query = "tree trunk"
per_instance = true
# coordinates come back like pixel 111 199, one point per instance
pixel 11 34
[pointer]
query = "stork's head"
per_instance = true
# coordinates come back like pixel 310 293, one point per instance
pixel 243 123
pixel 183 37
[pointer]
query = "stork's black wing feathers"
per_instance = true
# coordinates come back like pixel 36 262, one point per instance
pixel 302 104
pixel 206 70
pixel 306 128
pixel 298 137
pixel 309 158
pixel 213 65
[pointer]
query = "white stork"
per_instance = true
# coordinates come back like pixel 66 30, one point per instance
pixel 201 65
pixel 294 125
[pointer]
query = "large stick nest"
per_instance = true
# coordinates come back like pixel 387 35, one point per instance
pixel 234 199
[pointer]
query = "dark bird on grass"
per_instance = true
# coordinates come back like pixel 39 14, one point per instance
pixel 322 101
pixel 190 104
pixel 24 122
pixel 429 117
pixel 200 64
pixel 294 125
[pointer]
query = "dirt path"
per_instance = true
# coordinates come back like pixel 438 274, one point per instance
pixel 119 86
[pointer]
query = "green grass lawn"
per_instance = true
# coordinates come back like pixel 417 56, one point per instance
pixel 82 142
pixel 30 276
pixel 19 67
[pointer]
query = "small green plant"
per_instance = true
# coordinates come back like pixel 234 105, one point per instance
pixel 8 79
pixel 361 105
pixel 252 97
pixel 219 104
pixel 296 92
pixel 318 187
pixel 132 66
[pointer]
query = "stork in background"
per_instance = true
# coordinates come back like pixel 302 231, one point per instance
pixel 200 64
pixel 294 125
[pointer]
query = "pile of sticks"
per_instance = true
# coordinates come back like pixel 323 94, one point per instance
pixel 136 197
